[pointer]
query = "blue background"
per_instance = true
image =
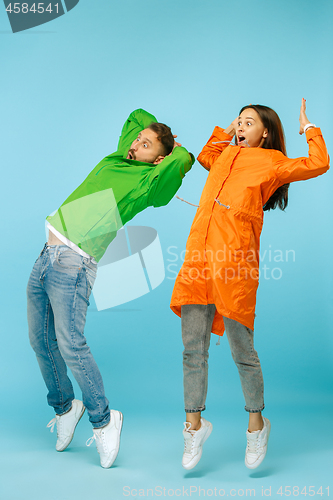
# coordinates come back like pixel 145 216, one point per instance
pixel 66 88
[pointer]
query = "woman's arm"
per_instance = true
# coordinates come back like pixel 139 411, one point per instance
pixel 298 169
pixel 218 141
pixel 303 119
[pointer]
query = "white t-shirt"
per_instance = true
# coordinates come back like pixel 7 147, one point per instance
pixel 69 243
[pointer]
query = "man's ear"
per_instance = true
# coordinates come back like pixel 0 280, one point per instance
pixel 158 160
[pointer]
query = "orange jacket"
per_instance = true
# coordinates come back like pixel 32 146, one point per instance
pixel 221 263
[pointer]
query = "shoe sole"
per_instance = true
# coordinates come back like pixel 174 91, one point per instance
pixel 197 460
pixel 121 419
pixel 256 464
pixel 81 415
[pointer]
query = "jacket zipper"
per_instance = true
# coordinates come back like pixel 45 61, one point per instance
pixel 221 204
pixel 100 169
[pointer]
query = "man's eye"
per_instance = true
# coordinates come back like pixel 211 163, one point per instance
pixel 145 145
pixel 249 123
pixel 239 124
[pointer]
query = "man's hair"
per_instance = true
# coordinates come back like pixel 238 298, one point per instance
pixel 164 135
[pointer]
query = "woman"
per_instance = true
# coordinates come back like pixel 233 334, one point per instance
pixel 216 287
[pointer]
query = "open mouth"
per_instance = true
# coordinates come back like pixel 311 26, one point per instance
pixel 242 141
pixel 130 155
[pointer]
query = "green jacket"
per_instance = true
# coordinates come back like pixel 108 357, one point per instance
pixel 117 189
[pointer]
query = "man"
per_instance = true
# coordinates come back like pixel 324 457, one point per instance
pixel 146 170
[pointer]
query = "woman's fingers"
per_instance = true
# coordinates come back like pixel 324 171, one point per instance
pixel 303 119
pixel 235 123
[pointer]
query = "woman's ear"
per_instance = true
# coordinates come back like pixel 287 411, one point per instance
pixel 265 133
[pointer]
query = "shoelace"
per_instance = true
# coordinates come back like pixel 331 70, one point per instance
pixel 99 441
pixel 253 444
pixel 189 443
pixel 52 423
pixel 90 441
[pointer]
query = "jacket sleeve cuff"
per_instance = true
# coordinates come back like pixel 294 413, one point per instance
pixel 184 156
pixel 221 135
pixel 312 132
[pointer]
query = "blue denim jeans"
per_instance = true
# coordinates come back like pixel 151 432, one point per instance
pixel 197 322
pixel 58 297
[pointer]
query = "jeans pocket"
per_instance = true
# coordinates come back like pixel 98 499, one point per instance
pixel 91 273
pixel 67 259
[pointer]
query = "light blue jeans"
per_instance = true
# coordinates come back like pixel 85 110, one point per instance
pixel 58 297
pixel 197 322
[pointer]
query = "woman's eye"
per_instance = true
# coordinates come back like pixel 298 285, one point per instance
pixel 249 123
pixel 145 145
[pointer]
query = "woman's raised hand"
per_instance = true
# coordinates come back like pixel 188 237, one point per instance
pixel 303 119
pixel 231 130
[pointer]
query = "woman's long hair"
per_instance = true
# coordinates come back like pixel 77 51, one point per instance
pixel 274 140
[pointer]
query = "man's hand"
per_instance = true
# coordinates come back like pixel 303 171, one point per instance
pixel 303 119
pixel 175 143
pixel 162 158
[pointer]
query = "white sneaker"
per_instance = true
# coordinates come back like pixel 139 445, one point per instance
pixel 66 424
pixel 108 439
pixel 257 445
pixel 193 443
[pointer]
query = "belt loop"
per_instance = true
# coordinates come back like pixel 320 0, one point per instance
pixel 43 249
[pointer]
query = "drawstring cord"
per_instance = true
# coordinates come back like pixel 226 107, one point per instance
pixel 181 199
pixel 244 143
pixel 216 199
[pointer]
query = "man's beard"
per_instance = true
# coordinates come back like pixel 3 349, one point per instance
pixel 131 155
